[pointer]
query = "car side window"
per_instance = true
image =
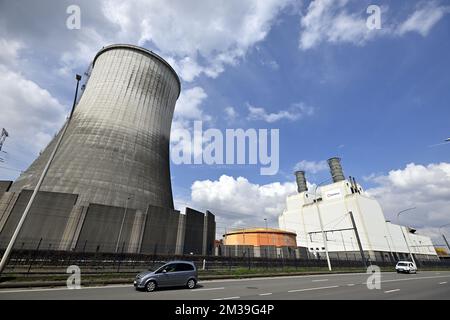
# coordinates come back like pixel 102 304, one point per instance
pixel 184 267
pixel 171 267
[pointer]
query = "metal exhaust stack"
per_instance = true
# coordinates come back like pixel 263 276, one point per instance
pixel 301 181
pixel 352 187
pixel 336 169
pixel 356 185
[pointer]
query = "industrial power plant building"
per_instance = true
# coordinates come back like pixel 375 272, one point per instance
pixel 331 208
pixel 108 188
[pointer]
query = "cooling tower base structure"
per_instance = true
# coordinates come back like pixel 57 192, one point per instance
pixel 108 188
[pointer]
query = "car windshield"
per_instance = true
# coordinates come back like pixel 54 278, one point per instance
pixel 402 264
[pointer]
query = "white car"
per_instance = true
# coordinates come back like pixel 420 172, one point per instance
pixel 406 267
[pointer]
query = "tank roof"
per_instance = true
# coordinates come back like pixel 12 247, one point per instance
pixel 261 230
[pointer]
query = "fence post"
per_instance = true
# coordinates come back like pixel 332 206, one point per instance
pixel 17 254
pixel 121 256
pixel 34 256
pixel 155 247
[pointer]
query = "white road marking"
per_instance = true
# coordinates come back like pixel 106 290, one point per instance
pixel 443 282
pixel 389 291
pixel 292 277
pixel 207 289
pixel 310 289
pixel 265 294
pixel 320 280
pixel 228 298
pixel 350 285
pixel 64 288
pixel 411 279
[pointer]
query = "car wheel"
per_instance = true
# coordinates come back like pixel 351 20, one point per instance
pixel 191 284
pixel 150 286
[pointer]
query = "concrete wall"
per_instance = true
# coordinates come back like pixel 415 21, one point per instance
pixel 209 233
pixel 160 232
pixel 101 228
pixel 4 187
pixel 47 219
pixel 193 239
pixel 62 225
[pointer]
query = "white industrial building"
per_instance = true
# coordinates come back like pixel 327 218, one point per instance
pixel 380 240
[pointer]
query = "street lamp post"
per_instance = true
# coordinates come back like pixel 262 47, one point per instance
pixel 389 246
pixel 267 236
pixel 123 221
pixel 8 250
pixel 321 224
pixel 403 233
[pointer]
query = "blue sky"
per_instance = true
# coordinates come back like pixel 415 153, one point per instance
pixel 377 98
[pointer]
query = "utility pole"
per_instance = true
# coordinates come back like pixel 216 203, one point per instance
pixel 321 224
pixel 38 185
pixel 324 237
pixel 443 236
pixel 407 245
pixel 446 242
pixel 403 233
pixel 358 240
pixel 389 246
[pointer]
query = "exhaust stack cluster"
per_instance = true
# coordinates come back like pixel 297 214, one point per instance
pixel 337 173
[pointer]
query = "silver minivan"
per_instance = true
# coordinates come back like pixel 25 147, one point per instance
pixel 172 274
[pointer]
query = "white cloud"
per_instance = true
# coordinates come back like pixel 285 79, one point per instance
pixel 296 112
pixel 328 21
pixel 311 166
pixel 425 187
pixel 30 114
pixel 187 110
pixel 201 36
pixel 9 51
pixel 239 203
pixel 230 113
pixel 197 37
pixel 189 102
pixel 424 18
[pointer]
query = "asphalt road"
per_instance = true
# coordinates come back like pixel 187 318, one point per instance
pixel 424 285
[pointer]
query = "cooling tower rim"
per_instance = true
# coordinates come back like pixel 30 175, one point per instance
pixel 334 158
pixel 140 49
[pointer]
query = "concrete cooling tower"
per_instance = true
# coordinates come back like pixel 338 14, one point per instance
pixel 108 187
pixel 117 143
